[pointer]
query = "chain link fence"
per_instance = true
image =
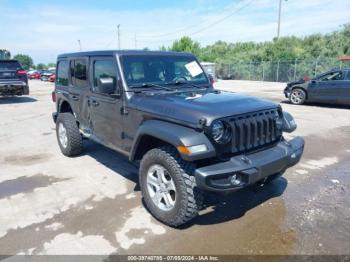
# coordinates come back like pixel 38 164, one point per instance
pixel 276 71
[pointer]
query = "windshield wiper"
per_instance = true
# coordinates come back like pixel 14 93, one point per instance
pixel 186 83
pixel 146 86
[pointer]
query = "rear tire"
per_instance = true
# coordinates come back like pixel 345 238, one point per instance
pixel 297 96
pixel 68 135
pixel 178 200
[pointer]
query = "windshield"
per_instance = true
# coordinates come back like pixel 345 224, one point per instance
pixel 161 70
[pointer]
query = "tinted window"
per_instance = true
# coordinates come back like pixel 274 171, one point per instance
pixel 78 73
pixel 103 69
pixel 347 76
pixel 332 76
pixel 9 65
pixel 62 73
pixel 162 69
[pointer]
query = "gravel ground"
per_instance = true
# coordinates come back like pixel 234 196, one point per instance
pixel 50 204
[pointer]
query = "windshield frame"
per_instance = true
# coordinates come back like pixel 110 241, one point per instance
pixel 191 57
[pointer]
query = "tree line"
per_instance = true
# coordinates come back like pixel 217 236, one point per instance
pixel 287 48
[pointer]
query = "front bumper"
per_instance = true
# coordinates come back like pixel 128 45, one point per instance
pixel 249 169
pixel 54 117
pixel 287 92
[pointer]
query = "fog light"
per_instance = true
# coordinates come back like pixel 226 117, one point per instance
pixel 235 180
pixel 293 155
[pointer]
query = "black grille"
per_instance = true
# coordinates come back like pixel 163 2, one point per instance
pixel 254 130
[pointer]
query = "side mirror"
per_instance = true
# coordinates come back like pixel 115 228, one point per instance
pixel 313 81
pixel 289 124
pixel 106 85
pixel 211 79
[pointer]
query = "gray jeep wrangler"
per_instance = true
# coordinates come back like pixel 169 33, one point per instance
pixel 160 110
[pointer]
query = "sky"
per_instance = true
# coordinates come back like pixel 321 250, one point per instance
pixel 44 29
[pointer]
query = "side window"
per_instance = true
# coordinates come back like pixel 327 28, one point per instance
pixel 103 69
pixel 347 76
pixel 332 76
pixel 80 73
pixel 62 73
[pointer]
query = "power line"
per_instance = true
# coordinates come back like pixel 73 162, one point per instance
pixel 222 19
pixel 204 28
pixel 177 30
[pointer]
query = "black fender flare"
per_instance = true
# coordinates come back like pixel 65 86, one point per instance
pixel 175 135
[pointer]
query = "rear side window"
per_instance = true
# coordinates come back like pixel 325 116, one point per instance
pixel 10 65
pixel 79 73
pixel 62 73
pixel 103 69
pixel 347 76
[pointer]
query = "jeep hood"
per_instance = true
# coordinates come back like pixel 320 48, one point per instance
pixel 192 106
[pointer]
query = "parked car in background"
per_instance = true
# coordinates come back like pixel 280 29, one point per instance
pixel 332 87
pixel 33 74
pixel 45 75
pixel 13 78
pixel 52 78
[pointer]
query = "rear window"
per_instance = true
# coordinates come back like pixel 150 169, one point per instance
pixel 62 73
pixel 9 65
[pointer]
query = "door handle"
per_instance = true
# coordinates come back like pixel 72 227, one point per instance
pixel 75 98
pixel 95 103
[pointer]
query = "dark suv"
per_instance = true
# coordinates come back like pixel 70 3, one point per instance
pixel 13 79
pixel 332 87
pixel 161 111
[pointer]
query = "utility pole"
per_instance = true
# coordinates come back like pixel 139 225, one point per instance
pixel 79 43
pixel 118 29
pixel 279 18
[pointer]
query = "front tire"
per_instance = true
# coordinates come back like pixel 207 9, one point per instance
pixel 168 187
pixel 297 96
pixel 68 135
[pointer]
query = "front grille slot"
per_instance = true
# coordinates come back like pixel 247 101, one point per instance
pixel 255 130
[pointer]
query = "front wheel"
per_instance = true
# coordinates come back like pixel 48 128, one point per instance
pixel 297 96
pixel 168 188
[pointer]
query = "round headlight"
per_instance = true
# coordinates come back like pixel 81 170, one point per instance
pixel 221 134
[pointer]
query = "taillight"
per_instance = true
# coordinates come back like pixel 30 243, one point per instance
pixel 21 72
pixel 53 96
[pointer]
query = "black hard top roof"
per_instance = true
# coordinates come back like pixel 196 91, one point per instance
pixel 122 52
pixel 8 60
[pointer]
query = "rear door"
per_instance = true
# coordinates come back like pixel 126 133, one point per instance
pixel 79 89
pixel 344 89
pixel 105 110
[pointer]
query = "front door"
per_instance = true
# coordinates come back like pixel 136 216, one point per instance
pixel 325 88
pixel 105 110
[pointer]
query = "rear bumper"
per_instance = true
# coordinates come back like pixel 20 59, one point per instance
pixel 249 169
pixel 14 88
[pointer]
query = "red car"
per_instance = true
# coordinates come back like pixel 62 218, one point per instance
pixel 33 75
pixel 52 78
